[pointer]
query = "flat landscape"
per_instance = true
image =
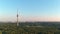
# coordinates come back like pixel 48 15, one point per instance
pixel 30 28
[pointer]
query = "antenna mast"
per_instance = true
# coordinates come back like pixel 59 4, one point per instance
pixel 17 18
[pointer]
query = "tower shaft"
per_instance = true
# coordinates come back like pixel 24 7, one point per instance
pixel 17 19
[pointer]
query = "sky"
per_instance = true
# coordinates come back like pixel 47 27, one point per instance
pixel 30 10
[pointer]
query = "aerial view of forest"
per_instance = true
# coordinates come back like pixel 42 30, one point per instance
pixel 30 28
pixel 29 16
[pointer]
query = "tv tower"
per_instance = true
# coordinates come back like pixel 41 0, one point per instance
pixel 17 18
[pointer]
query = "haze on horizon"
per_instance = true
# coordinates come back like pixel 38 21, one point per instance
pixel 30 10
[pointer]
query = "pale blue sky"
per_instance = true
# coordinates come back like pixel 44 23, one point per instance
pixel 40 8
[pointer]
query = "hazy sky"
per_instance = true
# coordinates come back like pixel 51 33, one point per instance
pixel 30 10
